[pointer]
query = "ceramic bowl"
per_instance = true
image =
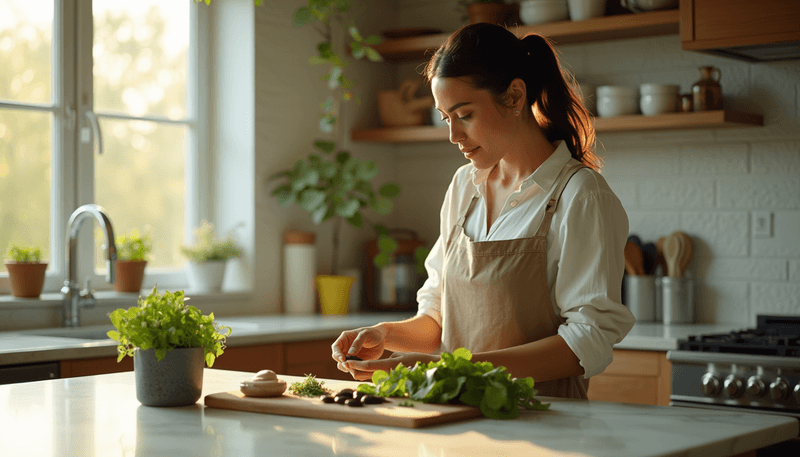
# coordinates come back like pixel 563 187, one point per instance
pixel 615 101
pixel 532 12
pixel 658 98
pixel 580 10
pixel 638 6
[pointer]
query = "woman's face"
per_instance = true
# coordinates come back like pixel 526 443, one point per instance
pixel 478 124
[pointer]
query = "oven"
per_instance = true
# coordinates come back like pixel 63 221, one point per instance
pixel 754 370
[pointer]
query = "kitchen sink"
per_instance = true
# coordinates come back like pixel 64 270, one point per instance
pixel 81 333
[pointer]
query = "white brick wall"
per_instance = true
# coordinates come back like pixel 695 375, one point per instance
pixel 704 182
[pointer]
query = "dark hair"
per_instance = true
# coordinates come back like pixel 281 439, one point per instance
pixel 492 56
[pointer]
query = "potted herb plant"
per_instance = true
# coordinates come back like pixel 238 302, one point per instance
pixel 25 271
pixel 208 258
pixel 132 251
pixel 169 341
pixel 491 11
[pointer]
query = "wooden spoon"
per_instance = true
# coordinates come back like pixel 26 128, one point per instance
pixel 634 262
pixel 672 252
pixel 660 255
pixel 687 250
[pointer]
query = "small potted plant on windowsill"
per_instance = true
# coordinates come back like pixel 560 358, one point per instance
pixel 25 271
pixel 132 251
pixel 208 258
pixel 169 341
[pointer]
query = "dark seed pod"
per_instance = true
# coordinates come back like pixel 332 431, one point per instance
pixel 346 392
pixel 372 400
pixel 341 399
pixel 353 402
pixel 358 395
pixel 326 399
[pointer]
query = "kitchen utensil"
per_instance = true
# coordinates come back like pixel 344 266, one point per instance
pixel 661 262
pixel 677 300
pixel 658 98
pixel 635 239
pixel 650 258
pixel 672 252
pixel 687 250
pixel 387 414
pixel 533 12
pixel 580 10
pixel 634 263
pixel 707 92
pixel 615 101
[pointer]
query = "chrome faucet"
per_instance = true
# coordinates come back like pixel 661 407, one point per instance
pixel 74 298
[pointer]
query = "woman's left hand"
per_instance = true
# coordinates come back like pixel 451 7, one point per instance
pixel 362 370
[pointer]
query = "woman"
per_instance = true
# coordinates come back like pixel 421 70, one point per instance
pixel 528 266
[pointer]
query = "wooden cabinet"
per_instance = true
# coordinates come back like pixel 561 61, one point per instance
pixel 742 29
pixel 88 367
pixel 642 377
pixel 252 358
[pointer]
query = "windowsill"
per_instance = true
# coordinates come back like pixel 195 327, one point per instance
pixel 108 299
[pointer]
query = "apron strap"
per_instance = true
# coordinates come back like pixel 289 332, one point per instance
pixel 556 197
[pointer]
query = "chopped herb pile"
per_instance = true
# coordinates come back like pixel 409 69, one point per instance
pixel 309 387
pixel 407 403
pixel 455 379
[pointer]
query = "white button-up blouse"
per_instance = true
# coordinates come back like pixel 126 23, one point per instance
pixel 585 246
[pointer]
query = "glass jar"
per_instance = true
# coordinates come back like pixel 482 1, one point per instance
pixel 707 92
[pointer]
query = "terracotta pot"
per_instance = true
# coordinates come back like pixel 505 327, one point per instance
pixel 493 13
pixel 130 274
pixel 26 279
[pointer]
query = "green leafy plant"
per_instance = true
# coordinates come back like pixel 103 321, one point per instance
pixel 164 322
pixel 309 387
pixel 455 379
pixel 134 246
pixel 24 254
pixel 209 246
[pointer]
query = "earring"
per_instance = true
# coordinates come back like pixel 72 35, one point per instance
pixel 516 112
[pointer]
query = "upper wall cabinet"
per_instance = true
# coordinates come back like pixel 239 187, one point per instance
pixel 605 28
pixel 755 31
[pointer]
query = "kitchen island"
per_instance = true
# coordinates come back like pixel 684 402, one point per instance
pixel 99 416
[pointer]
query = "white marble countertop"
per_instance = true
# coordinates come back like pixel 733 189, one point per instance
pixel 100 416
pixel 45 345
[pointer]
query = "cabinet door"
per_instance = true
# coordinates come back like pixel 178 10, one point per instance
pixel 641 377
pixel 252 358
pixel 99 365
pixel 313 357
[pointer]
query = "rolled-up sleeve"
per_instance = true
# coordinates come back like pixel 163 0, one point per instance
pixel 587 289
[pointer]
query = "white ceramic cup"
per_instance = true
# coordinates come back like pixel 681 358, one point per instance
pixel 580 10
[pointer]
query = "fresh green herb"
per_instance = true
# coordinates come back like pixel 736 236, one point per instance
pixel 454 379
pixel 165 322
pixel 133 246
pixel 407 403
pixel 309 387
pixel 24 254
pixel 209 247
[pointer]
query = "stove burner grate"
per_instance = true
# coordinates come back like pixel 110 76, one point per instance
pixel 745 342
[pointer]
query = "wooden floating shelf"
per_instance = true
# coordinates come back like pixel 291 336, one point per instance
pixel 632 123
pixel 617 27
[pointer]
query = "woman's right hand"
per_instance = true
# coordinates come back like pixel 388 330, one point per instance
pixel 366 343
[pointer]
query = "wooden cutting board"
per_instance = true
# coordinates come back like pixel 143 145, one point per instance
pixel 390 414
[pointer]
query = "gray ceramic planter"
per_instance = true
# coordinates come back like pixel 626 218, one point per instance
pixel 177 380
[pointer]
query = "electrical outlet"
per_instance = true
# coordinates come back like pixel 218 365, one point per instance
pixel 762 224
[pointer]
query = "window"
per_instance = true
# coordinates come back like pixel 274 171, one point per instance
pixel 104 114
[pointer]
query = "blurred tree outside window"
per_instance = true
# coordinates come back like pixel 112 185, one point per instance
pixel 140 76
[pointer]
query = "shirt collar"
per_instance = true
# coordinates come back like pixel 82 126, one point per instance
pixel 544 176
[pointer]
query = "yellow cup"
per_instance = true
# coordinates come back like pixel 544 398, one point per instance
pixel 334 293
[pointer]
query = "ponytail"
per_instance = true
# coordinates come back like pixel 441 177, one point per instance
pixel 492 57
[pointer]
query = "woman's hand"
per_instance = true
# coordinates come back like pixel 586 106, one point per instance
pixel 362 370
pixel 366 343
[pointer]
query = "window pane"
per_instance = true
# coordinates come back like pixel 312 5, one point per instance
pixel 26 33
pixel 140 180
pixel 25 177
pixel 140 52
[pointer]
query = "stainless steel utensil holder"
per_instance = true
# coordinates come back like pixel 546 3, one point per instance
pixel 640 297
pixel 677 300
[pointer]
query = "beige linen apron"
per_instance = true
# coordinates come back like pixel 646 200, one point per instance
pixel 496 294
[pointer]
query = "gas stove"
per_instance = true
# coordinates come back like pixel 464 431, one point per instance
pixel 756 370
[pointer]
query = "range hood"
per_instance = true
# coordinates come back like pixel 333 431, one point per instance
pixel 751 30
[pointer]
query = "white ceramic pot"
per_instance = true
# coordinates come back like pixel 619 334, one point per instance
pixel 206 276
pixel 532 12
pixel 658 98
pixel 615 101
pixel 580 10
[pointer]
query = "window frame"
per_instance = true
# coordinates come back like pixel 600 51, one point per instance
pixel 72 177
